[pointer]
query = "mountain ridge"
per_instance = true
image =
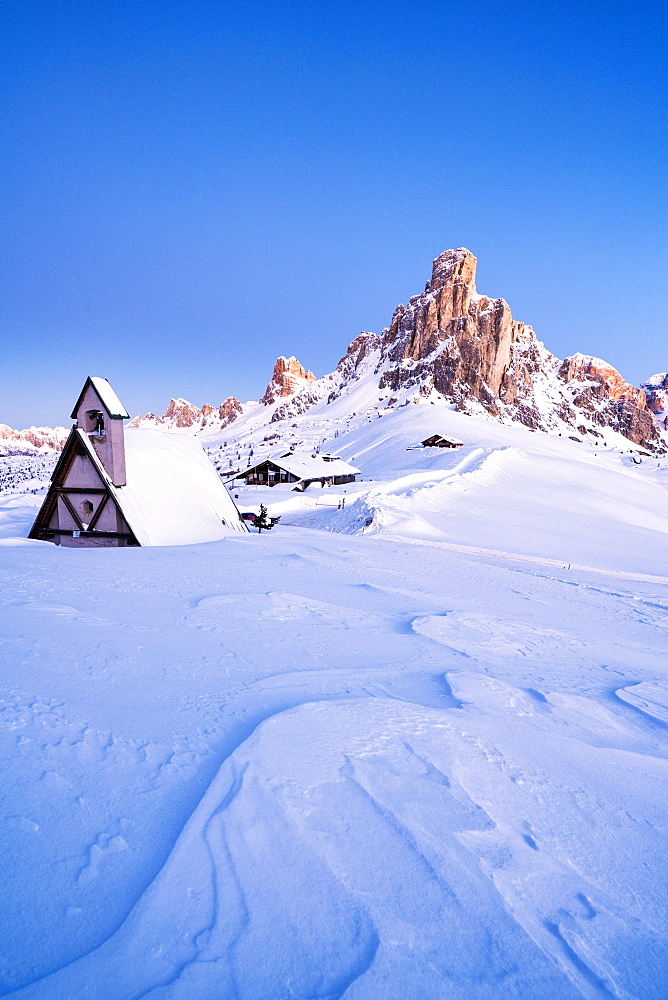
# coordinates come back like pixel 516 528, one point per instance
pixel 447 345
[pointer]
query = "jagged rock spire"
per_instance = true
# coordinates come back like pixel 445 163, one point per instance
pixel 289 376
pixel 453 267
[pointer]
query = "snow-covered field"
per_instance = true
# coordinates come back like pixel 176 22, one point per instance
pixel 413 746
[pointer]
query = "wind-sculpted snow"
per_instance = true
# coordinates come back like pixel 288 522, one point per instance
pixel 423 757
pixel 274 889
pixel 411 504
pixel 650 697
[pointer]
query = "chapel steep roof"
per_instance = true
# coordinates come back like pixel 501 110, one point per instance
pixel 108 398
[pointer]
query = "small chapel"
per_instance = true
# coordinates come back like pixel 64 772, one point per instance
pixel 118 486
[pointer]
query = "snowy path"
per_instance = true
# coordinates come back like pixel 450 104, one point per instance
pixel 475 550
pixel 305 765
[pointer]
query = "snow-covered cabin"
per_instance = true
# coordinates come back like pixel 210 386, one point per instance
pixel 300 471
pixel 441 441
pixel 117 486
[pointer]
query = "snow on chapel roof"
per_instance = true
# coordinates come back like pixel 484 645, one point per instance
pixel 173 494
pixel 109 399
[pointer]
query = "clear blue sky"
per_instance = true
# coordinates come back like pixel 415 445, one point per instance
pixel 191 188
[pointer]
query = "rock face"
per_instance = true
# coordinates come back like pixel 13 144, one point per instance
pixel 584 368
pixel 31 439
pixel 229 410
pixel 609 400
pixel 464 346
pixel 181 413
pixel 453 345
pixel 288 378
pixel 186 416
pixel 656 389
pixel 452 339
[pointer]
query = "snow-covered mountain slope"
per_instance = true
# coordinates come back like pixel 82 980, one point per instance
pixel 506 489
pixel 450 346
pixel 31 440
pixel 421 753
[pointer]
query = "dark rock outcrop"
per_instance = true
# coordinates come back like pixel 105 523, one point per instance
pixel 229 410
pixel 469 350
pixel 288 378
pixel 459 341
pixel 609 400
pixel 186 416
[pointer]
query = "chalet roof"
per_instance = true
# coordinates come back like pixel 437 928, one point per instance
pixel 173 495
pixel 108 397
pixel 442 437
pixel 306 466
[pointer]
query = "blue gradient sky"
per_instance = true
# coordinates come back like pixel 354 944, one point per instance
pixel 191 188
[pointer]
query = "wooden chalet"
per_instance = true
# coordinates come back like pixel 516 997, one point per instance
pixel 299 471
pixel 140 486
pixel 441 441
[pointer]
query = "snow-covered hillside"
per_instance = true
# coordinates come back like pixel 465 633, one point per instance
pixel 450 346
pixel 32 440
pixel 419 753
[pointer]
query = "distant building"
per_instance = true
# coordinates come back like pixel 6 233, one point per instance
pixel 141 487
pixel 441 441
pixel 300 471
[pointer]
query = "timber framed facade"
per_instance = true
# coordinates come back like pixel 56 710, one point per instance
pixel 80 507
pixel 299 472
pixel 146 487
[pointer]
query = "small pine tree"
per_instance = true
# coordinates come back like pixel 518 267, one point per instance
pixel 263 520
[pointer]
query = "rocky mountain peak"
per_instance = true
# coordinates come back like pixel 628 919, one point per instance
pixel 229 410
pixel 289 377
pixel 471 334
pixel 453 267
pixel 468 349
pixel 451 344
pixel 181 413
pixel 31 439
pixel 185 415
pixel 585 368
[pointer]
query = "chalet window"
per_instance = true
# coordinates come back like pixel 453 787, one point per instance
pixel 86 508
